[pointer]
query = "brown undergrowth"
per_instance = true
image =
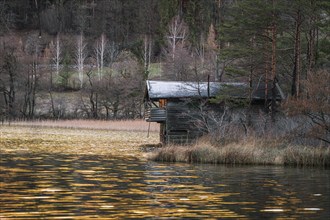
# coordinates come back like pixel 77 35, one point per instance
pixel 251 151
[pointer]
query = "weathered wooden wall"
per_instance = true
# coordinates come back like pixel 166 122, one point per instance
pixel 179 128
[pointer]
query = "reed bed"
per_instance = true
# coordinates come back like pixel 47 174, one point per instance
pixel 252 152
pixel 115 125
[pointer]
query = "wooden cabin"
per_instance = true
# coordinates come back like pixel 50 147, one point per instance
pixel 176 105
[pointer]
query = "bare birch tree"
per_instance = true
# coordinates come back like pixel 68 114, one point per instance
pixel 177 55
pixel 80 58
pixel 147 55
pixel 176 33
pixel 56 51
pixel 100 49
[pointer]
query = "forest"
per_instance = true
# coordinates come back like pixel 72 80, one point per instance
pixel 64 59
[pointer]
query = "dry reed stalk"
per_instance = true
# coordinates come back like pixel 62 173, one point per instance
pixel 253 151
pixel 313 156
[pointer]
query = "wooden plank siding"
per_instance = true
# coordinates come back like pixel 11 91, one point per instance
pixel 180 126
pixel 155 114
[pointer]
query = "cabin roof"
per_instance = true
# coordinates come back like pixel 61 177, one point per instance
pixel 181 89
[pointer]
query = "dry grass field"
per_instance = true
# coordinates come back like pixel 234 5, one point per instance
pixel 118 125
pixel 77 137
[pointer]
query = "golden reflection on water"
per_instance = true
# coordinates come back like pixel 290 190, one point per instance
pixel 84 187
pixel 62 187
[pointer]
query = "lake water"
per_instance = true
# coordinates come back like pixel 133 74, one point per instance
pixel 105 187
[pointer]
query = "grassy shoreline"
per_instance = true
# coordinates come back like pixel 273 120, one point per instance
pixel 253 152
pixel 125 138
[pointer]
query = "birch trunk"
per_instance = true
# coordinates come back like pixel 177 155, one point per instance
pixel 80 58
pixel 100 49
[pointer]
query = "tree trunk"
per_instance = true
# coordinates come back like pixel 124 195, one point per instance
pixel 274 40
pixel 295 87
pixel 312 41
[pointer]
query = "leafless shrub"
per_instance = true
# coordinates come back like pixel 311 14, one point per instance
pixel 314 106
pixel 222 124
